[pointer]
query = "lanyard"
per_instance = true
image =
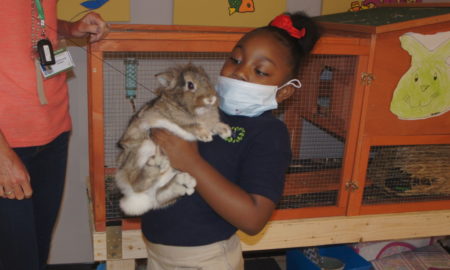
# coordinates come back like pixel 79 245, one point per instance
pixel 37 21
pixel 35 40
pixel 40 11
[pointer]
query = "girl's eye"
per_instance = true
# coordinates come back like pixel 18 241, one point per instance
pixel 261 73
pixel 235 60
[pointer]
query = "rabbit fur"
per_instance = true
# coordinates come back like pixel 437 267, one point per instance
pixel 186 105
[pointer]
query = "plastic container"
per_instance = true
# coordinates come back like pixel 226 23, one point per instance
pixel 330 263
pixel 296 260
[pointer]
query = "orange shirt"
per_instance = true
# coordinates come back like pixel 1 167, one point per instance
pixel 23 120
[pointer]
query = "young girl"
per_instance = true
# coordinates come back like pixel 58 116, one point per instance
pixel 239 180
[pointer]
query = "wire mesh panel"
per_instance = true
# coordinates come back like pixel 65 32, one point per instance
pixel 112 195
pixel 118 109
pixel 317 118
pixel 408 173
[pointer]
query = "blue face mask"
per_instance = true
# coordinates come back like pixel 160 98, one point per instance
pixel 248 99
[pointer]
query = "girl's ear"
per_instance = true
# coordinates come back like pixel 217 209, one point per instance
pixel 285 93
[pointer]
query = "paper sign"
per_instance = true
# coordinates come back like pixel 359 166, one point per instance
pixel 246 13
pixel 110 10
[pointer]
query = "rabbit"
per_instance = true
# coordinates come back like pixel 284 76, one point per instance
pixel 186 105
pixel 423 91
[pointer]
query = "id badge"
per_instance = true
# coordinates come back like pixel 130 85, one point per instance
pixel 63 62
pixel 45 52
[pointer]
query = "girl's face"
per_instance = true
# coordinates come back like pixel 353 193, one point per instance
pixel 259 58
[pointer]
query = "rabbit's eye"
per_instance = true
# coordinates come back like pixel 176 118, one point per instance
pixel 416 78
pixel 435 76
pixel 190 86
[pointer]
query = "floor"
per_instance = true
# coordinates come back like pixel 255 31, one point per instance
pixel 252 262
pixel 270 260
pixel 73 267
pixel 266 263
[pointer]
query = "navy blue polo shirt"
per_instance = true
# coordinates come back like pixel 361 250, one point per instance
pixel 255 158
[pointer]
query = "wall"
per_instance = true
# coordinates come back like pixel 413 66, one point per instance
pixel 72 239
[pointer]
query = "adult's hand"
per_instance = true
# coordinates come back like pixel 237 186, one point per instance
pixel 14 177
pixel 91 24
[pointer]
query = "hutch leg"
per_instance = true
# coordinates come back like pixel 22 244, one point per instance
pixel 128 264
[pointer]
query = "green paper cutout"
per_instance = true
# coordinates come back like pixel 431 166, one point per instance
pixel 424 90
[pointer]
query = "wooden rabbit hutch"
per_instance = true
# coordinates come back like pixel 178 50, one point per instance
pixel 358 170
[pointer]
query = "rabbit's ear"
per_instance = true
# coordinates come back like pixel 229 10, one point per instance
pixel 443 51
pixel 166 79
pixel 413 46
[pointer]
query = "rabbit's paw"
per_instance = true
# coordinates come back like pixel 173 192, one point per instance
pixel 136 204
pixel 187 181
pixel 158 161
pixel 179 190
pixel 152 161
pixel 150 172
pixel 223 130
pixel 164 164
pixel 204 135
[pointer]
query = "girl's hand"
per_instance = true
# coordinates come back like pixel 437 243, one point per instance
pixel 182 154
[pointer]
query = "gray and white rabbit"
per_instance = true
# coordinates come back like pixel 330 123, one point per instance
pixel 187 105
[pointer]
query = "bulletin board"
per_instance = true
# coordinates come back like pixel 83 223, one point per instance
pixel 110 10
pixel 333 6
pixel 247 13
pixel 383 16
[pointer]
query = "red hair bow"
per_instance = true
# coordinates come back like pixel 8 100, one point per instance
pixel 284 22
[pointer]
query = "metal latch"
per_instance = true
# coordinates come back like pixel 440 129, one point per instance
pixel 367 78
pixel 352 186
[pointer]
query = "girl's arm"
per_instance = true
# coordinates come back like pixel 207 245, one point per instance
pixel 247 212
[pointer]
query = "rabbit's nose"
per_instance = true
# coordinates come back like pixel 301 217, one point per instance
pixel 424 87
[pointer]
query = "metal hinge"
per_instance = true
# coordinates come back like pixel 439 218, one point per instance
pixel 114 242
pixel 351 186
pixel 367 78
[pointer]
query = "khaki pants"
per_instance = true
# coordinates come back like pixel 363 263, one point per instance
pixel 223 255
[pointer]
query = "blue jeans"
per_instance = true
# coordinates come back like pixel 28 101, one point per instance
pixel 26 226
